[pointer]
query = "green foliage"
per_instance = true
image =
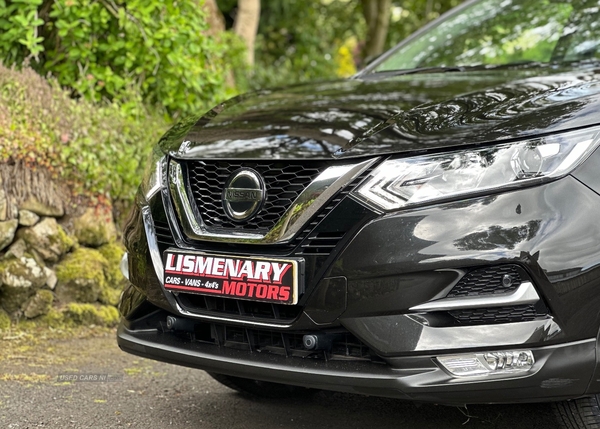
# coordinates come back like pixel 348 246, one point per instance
pixel 407 16
pixel 303 40
pixel 90 314
pixel 116 49
pixel 97 148
pixel 160 50
pixel 19 22
pixel 4 321
pixel 298 40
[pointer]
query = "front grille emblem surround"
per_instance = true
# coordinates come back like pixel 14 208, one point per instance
pixel 243 195
pixel 312 199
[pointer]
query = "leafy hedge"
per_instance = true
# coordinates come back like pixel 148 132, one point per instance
pixel 96 147
pixel 110 49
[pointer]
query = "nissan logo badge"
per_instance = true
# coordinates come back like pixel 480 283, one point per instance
pixel 243 195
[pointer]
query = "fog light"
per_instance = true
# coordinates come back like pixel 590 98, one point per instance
pixel 489 363
pixel 124 266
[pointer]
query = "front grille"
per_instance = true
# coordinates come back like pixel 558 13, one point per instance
pixel 235 307
pixel 344 346
pixel 325 232
pixel 284 181
pixel 164 237
pixel 488 281
pixel 321 241
pixel 320 244
pixel 490 316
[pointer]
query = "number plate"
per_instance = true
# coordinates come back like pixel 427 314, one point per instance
pixel 254 279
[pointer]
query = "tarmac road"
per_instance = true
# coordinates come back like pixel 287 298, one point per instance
pixel 148 394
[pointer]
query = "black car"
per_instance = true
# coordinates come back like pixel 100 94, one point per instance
pixel 427 230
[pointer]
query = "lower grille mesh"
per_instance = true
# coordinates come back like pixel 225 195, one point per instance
pixel 490 316
pixel 488 281
pixel 344 346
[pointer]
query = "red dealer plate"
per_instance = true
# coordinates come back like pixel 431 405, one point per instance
pixel 253 279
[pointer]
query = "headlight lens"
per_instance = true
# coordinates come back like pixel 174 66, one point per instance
pixel 152 179
pixel 404 182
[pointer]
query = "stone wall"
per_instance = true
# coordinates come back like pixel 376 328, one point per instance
pixel 57 266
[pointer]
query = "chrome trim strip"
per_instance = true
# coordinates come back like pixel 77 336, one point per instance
pixel 153 244
pixel 525 294
pixel 228 320
pixel 311 200
pixel 124 265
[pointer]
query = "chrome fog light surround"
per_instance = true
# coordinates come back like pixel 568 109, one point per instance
pixel 525 294
pixel 509 362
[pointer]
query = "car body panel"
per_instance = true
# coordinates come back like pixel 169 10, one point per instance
pixel 393 115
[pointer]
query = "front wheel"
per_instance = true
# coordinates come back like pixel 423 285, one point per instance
pixel 582 413
pixel 262 389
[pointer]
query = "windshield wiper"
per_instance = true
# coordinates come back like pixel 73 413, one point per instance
pixel 436 69
pixel 454 69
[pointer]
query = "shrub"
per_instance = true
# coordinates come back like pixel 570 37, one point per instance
pixel 98 148
pixel 111 49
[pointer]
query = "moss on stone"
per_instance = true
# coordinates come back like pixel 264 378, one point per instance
pixel 113 252
pixel 7 232
pixel 39 304
pixel 19 279
pixel 90 314
pixel 12 299
pixel 62 239
pixel 109 296
pixel 47 238
pixel 115 282
pixel 22 272
pixel 109 315
pixel 54 319
pixel 94 228
pixel 81 276
pixel 4 320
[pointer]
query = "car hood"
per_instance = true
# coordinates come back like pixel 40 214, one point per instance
pixel 401 114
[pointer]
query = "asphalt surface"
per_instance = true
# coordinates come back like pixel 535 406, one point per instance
pixel 146 394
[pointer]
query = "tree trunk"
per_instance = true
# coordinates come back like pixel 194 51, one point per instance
pixel 377 18
pixel 246 25
pixel 214 17
pixel 216 26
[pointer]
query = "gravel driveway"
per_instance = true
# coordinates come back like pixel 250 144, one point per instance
pixel 141 393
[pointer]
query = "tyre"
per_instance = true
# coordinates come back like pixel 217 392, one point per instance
pixel 261 389
pixel 582 413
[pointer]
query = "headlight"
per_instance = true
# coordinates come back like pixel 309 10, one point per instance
pixel 399 183
pixel 152 179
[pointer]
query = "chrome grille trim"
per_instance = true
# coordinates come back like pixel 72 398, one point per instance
pixel 153 244
pixel 232 320
pixel 308 203
pixel 525 294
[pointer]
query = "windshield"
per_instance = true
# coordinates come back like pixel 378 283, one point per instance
pixel 492 32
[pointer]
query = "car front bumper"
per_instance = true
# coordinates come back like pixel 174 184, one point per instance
pixel 373 285
pixel 561 371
